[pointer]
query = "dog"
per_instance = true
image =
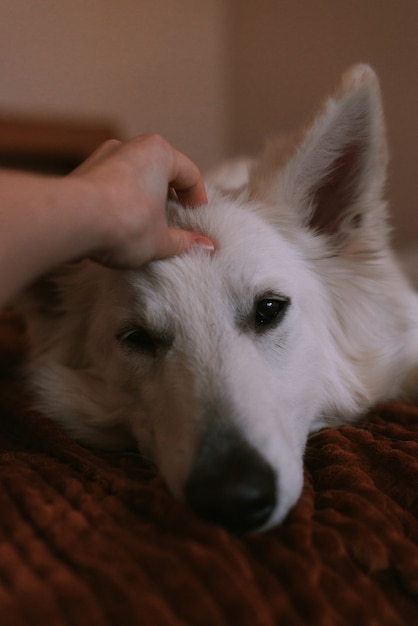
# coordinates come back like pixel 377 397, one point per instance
pixel 218 367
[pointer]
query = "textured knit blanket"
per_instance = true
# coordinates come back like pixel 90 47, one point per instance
pixel 92 538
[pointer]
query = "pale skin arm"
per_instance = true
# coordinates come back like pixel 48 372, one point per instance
pixel 111 208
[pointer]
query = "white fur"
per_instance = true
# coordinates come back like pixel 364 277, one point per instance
pixel 309 224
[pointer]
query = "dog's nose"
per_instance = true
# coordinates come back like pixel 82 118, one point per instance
pixel 231 484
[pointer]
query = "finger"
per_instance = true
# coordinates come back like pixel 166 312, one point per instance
pixel 172 194
pixel 193 196
pixel 187 181
pixel 182 174
pixel 180 241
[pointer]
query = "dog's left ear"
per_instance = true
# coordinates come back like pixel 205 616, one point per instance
pixel 335 176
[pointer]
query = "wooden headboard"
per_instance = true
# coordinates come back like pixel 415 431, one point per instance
pixel 53 146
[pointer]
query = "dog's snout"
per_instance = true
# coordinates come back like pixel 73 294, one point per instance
pixel 231 484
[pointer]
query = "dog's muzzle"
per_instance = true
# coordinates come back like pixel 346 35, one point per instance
pixel 230 483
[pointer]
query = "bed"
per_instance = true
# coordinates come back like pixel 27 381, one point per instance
pixel 93 538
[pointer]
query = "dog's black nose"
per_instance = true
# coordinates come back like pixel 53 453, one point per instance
pixel 231 484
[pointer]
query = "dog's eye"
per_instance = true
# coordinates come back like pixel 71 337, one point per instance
pixel 138 340
pixel 270 311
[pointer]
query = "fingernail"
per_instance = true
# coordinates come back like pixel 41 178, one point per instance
pixel 204 243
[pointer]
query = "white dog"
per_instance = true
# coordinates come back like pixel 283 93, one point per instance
pixel 217 367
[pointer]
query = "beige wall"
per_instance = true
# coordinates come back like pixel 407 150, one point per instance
pixel 147 65
pixel 285 55
pixel 214 76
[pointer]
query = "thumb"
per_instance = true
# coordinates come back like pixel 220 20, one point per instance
pixel 180 241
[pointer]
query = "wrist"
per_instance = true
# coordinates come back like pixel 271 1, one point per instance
pixel 87 215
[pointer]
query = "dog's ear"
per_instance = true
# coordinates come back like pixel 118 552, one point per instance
pixel 336 171
pixel 47 304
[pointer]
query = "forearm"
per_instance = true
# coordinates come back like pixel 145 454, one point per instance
pixel 44 222
pixel 111 208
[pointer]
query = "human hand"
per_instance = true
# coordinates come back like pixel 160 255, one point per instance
pixel 130 183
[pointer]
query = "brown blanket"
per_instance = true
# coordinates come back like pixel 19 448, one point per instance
pixel 92 538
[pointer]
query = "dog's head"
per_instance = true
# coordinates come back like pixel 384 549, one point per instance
pixel 218 366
